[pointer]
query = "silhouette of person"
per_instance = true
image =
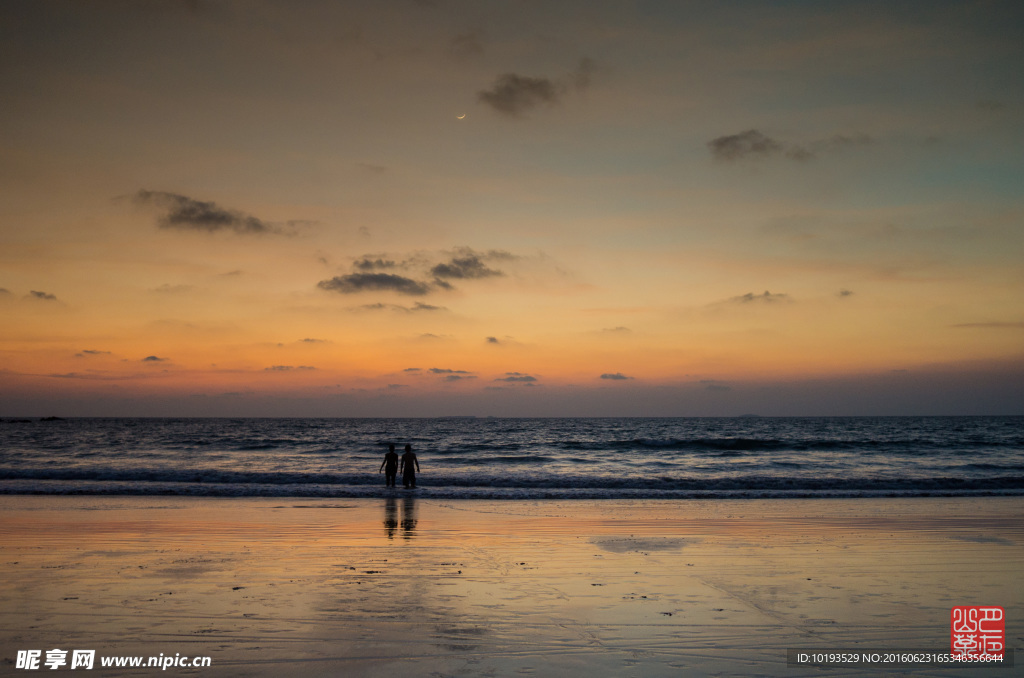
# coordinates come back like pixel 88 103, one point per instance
pixel 390 466
pixel 408 474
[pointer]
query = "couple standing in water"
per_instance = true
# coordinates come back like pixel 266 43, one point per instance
pixel 390 467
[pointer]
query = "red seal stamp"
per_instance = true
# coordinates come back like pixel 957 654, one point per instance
pixel 977 630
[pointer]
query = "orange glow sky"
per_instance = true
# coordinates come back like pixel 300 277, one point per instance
pixel 707 208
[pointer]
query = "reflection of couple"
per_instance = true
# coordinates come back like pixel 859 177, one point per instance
pixel 391 463
pixel 408 516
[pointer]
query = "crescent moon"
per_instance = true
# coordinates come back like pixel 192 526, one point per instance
pixel 460 117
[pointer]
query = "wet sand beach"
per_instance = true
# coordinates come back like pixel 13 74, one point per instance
pixel 417 587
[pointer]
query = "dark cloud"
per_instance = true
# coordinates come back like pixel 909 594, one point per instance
pixel 458 377
pixel 153 359
pixel 514 94
pixel 45 296
pixel 517 377
pixel 753 144
pixel 845 293
pixel 413 369
pixel 376 282
pixel 417 307
pixel 470 266
pixel 619 329
pixel 189 214
pixel 615 376
pixel 313 341
pixel 440 370
pixel 744 145
pixel 88 352
pixel 4 290
pixel 378 264
pixel 766 298
pixel 493 340
pixel 287 368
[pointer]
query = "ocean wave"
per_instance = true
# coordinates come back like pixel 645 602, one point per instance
pixel 142 478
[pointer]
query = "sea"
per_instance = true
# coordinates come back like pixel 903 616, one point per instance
pixel 505 458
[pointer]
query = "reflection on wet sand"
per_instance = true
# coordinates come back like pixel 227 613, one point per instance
pixel 390 516
pixel 409 519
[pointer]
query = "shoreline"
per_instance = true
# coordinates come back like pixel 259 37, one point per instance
pixel 411 586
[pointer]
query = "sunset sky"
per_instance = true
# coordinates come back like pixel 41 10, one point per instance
pixel 539 208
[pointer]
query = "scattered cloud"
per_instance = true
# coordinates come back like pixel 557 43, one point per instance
pixel 314 341
pixel 287 368
pixel 470 266
pixel 766 298
pixel 4 290
pixel 154 359
pixel 749 144
pixel 374 282
pixel 378 264
pixel 617 330
pixel 44 296
pixel 424 274
pixel 88 352
pixel 417 307
pixel 845 293
pixel 753 144
pixel 413 369
pixel 513 94
pixel 517 377
pixel 493 340
pixel 440 370
pixel 615 376
pixel 184 213
pixel 458 377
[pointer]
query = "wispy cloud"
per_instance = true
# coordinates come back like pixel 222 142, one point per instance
pixel 378 264
pixel 287 368
pixel 415 308
pixel 88 352
pixel 188 214
pixel 513 94
pixel 374 282
pixel 43 296
pixel 615 376
pixel 470 266
pixel 766 298
pixel 753 144
pixel 517 377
